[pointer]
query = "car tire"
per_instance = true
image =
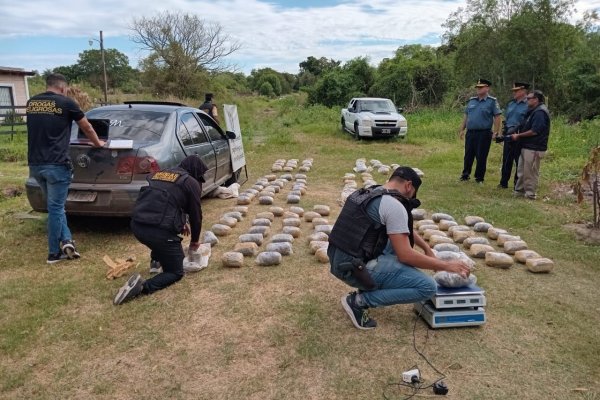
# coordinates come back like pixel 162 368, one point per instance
pixel 234 178
pixel 356 134
pixel 343 124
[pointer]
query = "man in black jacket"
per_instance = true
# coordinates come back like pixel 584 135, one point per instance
pixel 533 138
pixel 167 207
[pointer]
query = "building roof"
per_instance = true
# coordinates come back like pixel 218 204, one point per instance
pixel 16 71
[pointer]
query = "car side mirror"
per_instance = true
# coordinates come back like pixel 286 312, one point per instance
pixel 400 109
pixel 351 109
pixel 230 135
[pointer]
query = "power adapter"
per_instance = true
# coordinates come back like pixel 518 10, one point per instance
pixel 440 388
pixel 412 376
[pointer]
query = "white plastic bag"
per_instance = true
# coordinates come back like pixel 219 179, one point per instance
pixel 197 260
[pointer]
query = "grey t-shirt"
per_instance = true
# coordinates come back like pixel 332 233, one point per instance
pixel 387 211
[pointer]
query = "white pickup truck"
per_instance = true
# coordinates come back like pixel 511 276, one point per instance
pixel 373 117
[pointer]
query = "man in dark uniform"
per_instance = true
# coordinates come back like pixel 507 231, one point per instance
pixel 49 119
pixel 209 107
pixel 371 249
pixel 533 139
pixel 515 114
pixel 159 217
pixel 481 113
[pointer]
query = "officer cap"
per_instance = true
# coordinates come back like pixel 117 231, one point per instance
pixel 408 174
pixel 483 83
pixel 520 85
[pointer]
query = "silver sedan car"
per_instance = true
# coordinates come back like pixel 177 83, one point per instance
pixel 145 137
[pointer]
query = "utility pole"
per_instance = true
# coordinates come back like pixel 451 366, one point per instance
pixel 104 68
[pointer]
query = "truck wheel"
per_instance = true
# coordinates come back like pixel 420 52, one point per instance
pixel 234 178
pixel 356 135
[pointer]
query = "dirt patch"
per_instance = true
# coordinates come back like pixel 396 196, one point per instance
pixel 585 233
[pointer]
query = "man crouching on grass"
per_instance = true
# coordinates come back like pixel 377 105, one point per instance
pixel 371 249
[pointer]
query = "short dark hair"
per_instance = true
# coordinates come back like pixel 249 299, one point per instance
pixel 539 95
pixel 208 96
pixel 56 80
pixel 408 174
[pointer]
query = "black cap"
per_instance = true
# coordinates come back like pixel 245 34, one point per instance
pixel 520 85
pixel 483 83
pixel 208 96
pixel 408 174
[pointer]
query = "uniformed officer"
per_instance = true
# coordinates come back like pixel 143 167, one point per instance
pixel 481 113
pixel 371 249
pixel 515 114
pixel 167 207
pixel 209 107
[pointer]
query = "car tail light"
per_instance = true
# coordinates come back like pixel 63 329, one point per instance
pixel 137 165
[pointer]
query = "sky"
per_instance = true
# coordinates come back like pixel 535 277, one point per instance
pixel 280 34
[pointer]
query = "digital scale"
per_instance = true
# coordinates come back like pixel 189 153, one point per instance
pixel 454 307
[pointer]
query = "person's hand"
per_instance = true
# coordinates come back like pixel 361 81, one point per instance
pixel 186 230
pixel 194 246
pixel 458 267
pixel 514 137
pixel 461 134
pixel 101 143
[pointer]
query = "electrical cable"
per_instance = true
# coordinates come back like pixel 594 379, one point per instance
pixel 417 388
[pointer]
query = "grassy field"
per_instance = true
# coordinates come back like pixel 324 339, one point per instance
pixel 280 332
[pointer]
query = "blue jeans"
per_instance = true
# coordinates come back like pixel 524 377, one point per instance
pixel 54 180
pixel 395 283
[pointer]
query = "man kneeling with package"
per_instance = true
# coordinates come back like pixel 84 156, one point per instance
pixel 371 249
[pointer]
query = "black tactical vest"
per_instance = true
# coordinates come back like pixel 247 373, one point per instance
pixel 207 107
pixel 356 233
pixel 160 204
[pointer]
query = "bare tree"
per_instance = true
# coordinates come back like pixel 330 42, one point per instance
pixel 184 40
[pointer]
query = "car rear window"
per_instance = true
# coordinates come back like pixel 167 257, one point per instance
pixel 136 125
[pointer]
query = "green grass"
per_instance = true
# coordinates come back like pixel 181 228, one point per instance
pixel 279 332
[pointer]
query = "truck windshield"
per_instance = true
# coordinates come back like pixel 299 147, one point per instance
pixel 377 106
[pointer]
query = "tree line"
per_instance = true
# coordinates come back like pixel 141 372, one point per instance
pixel 499 40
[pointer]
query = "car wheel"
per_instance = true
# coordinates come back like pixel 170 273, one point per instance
pixel 234 178
pixel 356 135
pixel 343 123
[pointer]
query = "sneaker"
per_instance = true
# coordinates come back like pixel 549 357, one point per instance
pixel 501 186
pixel 518 193
pixel 531 196
pixel 54 258
pixel 479 182
pixel 358 315
pixel 132 288
pixel 464 178
pixel 68 248
pixel 155 267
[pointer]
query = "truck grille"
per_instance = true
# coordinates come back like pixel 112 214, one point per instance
pixel 385 124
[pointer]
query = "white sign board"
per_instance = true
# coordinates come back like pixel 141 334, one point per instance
pixel 232 122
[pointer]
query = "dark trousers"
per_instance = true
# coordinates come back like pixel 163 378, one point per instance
pixel 477 147
pixel 165 247
pixel 510 156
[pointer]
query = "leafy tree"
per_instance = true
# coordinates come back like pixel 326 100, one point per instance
pixel 417 75
pixel 312 68
pixel 278 81
pixel 334 88
pixel 118 71
pixel 181 46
